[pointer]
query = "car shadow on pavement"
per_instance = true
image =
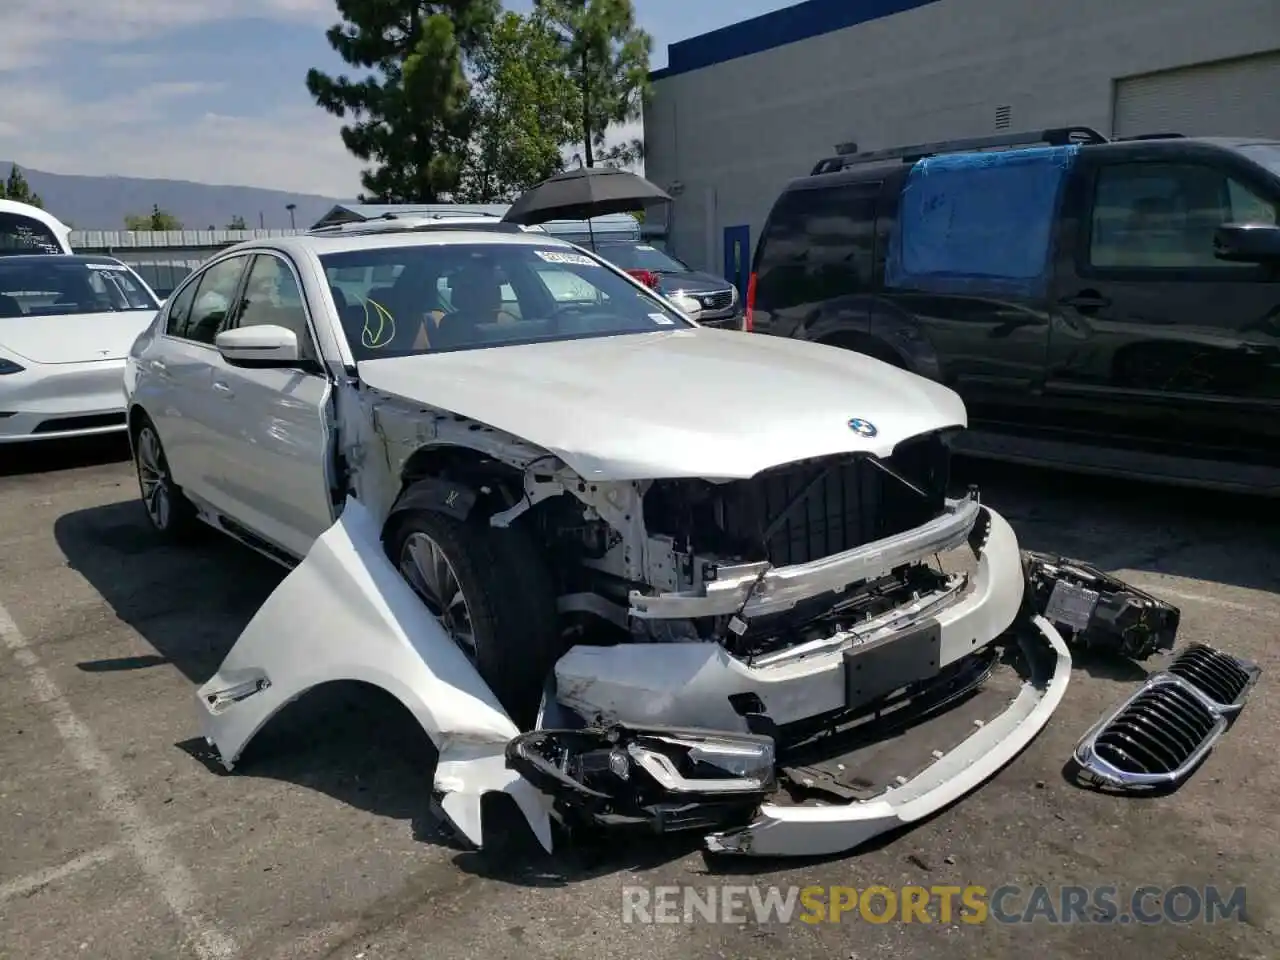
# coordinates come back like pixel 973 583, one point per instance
pixel 1130 525
pixel 50 456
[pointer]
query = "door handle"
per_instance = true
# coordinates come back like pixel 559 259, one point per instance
pixel 223 389
pixel 1087 300
pixel 158 366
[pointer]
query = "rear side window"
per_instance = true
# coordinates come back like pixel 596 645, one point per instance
pixel 818 244
pixel 25 235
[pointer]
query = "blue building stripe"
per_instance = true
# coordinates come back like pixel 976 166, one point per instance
pixel 813 18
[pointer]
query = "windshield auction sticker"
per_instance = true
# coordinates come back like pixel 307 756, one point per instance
pixel 573 259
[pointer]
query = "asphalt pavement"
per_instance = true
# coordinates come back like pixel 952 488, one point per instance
pixel 121 837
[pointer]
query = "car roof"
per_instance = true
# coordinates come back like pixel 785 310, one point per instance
pixel 879 169
pixel 320 245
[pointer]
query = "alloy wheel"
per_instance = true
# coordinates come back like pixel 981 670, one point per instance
pixel 153 479
pixel 432 576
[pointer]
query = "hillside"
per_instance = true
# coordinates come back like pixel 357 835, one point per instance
pixel 101 203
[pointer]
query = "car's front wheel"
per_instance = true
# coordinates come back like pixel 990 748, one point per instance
pixel 492 593
pixel 171 514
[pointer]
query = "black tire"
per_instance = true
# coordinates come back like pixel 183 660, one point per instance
pixel 171 515
pixel 509 596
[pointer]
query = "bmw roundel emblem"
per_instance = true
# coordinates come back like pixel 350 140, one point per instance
pixel 863 428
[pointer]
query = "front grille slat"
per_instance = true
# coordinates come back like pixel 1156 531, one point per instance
pixel 1157 747
pixel 854 504
pixel 720 300
pixel 1219 676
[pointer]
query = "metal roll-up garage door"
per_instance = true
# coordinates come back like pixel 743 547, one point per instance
pixel 1228 98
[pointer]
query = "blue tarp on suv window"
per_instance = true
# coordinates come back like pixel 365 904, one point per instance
pixel 978 222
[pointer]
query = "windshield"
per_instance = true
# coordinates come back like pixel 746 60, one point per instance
pixel 1266 154
pixel 641 256
pixel 25 235
pixel 29 287
pixel 398 301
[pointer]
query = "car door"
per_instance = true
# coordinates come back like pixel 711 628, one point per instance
pixel 183 364
pixel 1155 343
pixel 269 425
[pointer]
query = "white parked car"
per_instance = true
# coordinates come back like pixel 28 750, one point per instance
pixel 623 568
pixel 28 229
pixel 66 323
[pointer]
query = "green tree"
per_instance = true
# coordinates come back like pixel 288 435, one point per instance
pixel 157 220
pixel 524 108
pixel 410 115
pixel 608 57
pixel 17 188
pixel 237 223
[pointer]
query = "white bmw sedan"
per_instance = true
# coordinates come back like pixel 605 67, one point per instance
pixel 527 495
pixel 66 325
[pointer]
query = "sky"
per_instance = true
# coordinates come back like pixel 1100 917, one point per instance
pixel 209 90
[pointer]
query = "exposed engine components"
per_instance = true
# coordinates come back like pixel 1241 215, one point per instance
pixel 1095 611
pixel 1157 736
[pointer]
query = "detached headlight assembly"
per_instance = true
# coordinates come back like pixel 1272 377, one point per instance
pixel 8 366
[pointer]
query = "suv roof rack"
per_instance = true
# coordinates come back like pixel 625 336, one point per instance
pixel 847 155
pixel 418 223
pixel 1154 136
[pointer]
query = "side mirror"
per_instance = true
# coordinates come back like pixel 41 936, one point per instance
pixel 265 345
pixel 690 307
pixel 1247 243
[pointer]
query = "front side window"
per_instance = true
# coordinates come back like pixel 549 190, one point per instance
pixel 1163 215
pixel 446 297
pixel 49 287
pixel 214 291
pixel 272 297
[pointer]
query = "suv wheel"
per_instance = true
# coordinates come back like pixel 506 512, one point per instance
pixel 170 513
pixel 492 593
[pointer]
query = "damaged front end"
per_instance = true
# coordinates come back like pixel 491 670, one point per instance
pixel 791 663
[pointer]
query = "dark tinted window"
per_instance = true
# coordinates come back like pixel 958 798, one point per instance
pixel 272 297
pixel 1163 215
pixel 208 315
pixel 176 319
pixel 818 244
pixel 19 234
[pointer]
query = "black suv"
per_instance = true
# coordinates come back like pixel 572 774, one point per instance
pixel 1102 305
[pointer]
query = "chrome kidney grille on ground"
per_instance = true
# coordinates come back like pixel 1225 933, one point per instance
pixel 1161 733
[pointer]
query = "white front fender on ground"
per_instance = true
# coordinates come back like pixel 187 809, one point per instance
pixel 346 614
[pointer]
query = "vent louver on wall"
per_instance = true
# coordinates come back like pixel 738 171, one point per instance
pixel 1004 117
pixel 1162 732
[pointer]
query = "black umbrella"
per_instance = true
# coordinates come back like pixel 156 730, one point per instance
pixel 583 194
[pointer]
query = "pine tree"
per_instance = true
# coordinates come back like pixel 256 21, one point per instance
pixel 411 117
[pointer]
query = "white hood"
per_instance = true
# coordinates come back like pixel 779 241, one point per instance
pixel 688 403
pixel 74 338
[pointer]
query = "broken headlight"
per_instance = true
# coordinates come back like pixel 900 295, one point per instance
pixel 664 779
pixel 699 763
